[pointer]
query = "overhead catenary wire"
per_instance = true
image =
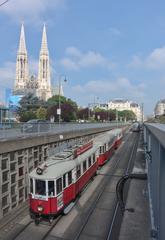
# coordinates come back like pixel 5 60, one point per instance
pixel 3 3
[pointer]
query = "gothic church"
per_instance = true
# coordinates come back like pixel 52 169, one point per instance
pixel 24 83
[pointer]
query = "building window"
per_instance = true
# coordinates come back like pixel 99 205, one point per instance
pixel 14 199
pixel 4 188
pixel 13 190
pixel 20 171
pixel 5 176
pixel 5 211
pixel 20 182
pixel 4 201
pixel 12 167
pixel 21 193
pixel 4 164
pixel 13 178
pixel 12 156
pixel 59 186
pixel 20 160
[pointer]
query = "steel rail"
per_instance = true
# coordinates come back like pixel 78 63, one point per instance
pixel 22 230
pixel 117 209
pixel 13 217
pixel 113 168
pixel 43 237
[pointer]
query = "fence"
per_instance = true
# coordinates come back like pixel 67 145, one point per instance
pixel 154 138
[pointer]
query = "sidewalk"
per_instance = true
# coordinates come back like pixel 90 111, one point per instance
pixel 136 225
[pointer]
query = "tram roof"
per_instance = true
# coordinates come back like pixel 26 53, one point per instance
pixel 56 168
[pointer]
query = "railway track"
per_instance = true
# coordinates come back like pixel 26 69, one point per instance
pixel 116 216
pixel 117 169
pixel 39 232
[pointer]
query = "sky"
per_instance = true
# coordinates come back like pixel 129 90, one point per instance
pixel 107 49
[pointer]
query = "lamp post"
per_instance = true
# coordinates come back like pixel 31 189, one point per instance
pixel 117 117
pixel 94 109
pixel 59 97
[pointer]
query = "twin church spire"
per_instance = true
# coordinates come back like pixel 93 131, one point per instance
pixel 24 83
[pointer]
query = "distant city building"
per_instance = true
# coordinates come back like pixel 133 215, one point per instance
pixel 123 104
pixel 24 83
pixel 160 108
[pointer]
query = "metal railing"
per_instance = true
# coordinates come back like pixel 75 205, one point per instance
pixel 154 139
pixel 14 130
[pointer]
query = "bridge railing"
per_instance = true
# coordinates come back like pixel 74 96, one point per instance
pixel 154 139
pixel 28 129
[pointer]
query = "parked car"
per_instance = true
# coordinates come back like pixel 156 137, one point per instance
pixel 35 125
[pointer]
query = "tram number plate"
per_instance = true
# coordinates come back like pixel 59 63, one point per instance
pixel 40 197
pixel 59 201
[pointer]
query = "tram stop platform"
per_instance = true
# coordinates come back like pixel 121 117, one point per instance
pixel 136 225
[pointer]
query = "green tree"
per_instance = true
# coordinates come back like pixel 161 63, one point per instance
pixel 127 114
pixel 41 113
pixel 54 100
pixel 27 115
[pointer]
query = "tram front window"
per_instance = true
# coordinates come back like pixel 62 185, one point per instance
pixel 51 188
pixel 40 187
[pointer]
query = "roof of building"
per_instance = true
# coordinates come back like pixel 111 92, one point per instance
pixel 119 100
pixel 133 104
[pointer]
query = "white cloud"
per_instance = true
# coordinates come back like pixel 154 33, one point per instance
pixel 154 61
pixel 72 51
pixel 69 64
pixel 77 60
pixel 120 87
pixel 30 10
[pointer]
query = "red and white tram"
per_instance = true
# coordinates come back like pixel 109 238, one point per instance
pixel 118 133
pixel 58 181
pixel 55 184
pixel 106 146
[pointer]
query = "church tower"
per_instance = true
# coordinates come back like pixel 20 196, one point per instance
pixel 44 85
pixel 22 72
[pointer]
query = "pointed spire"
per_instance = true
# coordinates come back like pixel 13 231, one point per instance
pixel 22 44
pixel 44 45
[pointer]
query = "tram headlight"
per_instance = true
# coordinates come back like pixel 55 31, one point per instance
pixel 40 208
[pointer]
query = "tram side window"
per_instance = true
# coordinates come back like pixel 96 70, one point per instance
pixel 89 162
pixel 69 177
pixel 31 185
pixel 84 166
pixel 100 150
pixel 78 170
pixel 59 185
pixel 40 187
pixel 51 188
pixel 94 158
pixel 64 180
pixel 105 147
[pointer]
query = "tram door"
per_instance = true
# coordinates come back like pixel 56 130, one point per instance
pixel 59 193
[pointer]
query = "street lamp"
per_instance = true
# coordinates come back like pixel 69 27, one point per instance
pixel 95 104
pixel 59 98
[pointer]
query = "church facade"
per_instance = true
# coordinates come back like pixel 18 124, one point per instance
pixel 39 86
